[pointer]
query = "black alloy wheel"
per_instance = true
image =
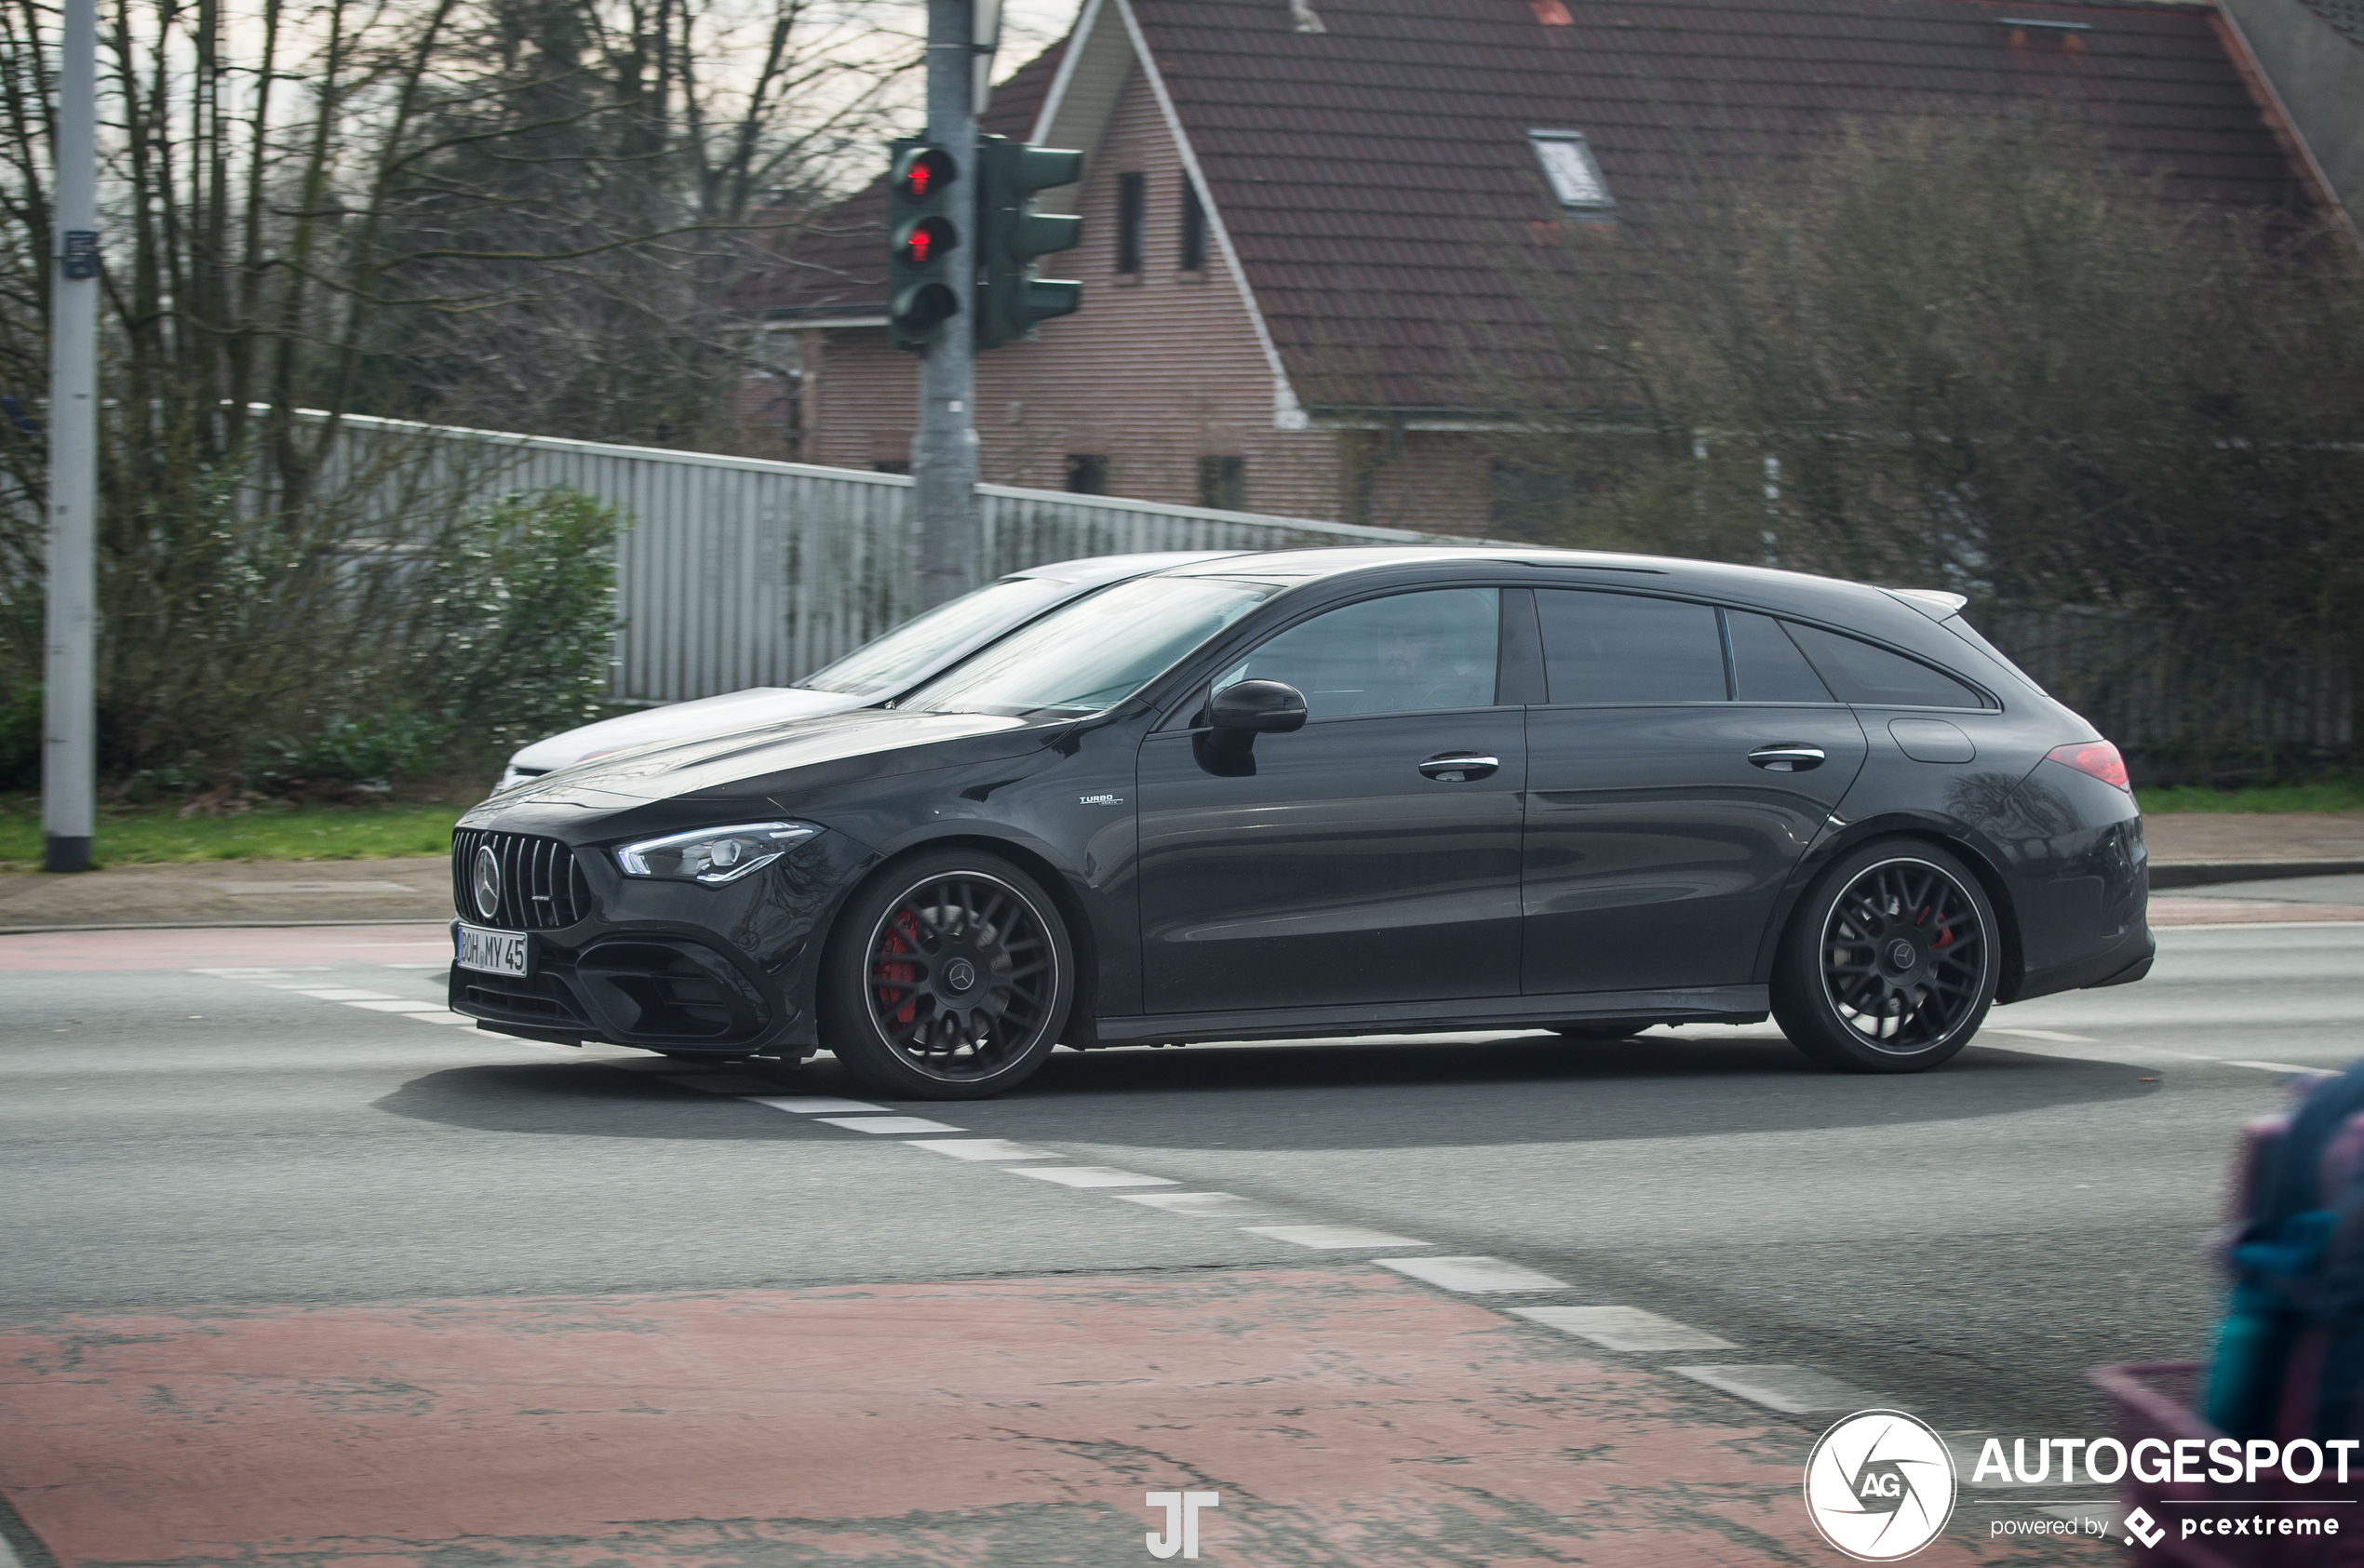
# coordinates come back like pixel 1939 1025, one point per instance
pixel 1889 964
pixel 949 979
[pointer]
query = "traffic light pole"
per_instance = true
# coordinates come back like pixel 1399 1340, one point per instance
pixel 943 454
pixel 68 720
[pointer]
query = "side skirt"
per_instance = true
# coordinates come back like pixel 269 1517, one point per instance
pixel 1712 1004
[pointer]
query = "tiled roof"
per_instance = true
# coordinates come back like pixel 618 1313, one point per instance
pixel 1369 173
pixel 2346 15
pixel 837 265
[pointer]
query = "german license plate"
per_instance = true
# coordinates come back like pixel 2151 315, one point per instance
pixel 493 952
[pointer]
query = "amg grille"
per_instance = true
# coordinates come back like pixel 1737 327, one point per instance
pixel 541 887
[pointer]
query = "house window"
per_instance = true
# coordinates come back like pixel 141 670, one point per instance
pixel 1568 164
pixel 1132 206
pixel 1223 483
pixel 1088 471
pixel 1193 254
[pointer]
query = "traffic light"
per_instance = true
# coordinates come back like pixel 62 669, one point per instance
pixel 923 232
pixel 1011 234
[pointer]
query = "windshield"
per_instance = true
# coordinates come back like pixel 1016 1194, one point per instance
pixel 1093 653
pixel 893 661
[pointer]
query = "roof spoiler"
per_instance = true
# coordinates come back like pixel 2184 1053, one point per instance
pixel 1935 603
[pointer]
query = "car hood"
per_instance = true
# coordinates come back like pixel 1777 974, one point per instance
pixel 681 721
pixel 776 761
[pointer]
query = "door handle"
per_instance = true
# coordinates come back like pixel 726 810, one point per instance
pixel 1458 767
pixel 1787 760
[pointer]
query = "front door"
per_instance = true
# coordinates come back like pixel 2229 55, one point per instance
pixel 1357 863
pixel 1674 787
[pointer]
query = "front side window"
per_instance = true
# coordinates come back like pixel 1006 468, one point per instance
pixel 1404 653
pixel 1094 653
pixel 1622 647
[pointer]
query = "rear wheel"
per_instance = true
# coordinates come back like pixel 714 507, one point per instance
pixel 949 978
pixel 1889 964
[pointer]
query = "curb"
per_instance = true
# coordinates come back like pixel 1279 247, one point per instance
pixel 438 921
pixel 2202 873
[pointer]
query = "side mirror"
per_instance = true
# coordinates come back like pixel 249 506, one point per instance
pixel 1257 707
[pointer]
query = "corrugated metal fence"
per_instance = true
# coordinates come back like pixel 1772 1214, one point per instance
pixel 738 571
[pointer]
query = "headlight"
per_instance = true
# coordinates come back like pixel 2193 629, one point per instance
pixel 714 856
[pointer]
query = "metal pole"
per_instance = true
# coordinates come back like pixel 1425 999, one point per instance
pixel 69 717
pixel 943 454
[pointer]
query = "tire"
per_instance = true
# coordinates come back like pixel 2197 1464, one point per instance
pixel 949 977
pixel 1889 962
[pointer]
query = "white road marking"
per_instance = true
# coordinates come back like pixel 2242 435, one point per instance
pixel 1796 1390
pixel 346 994
pixel 2052 1035
pixel 440 964
pixel 449 1017
pixel 2285 1067
pixel 1470 1274
pixel 1332 1237
pixel 1623 1328
pixel 1091 1176
pixel 1199 1205
pixel 888 1124
pixel 981 1149
pixel 811 1104
pixel 392 1006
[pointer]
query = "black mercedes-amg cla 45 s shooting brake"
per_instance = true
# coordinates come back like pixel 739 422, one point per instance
pixel 1331 792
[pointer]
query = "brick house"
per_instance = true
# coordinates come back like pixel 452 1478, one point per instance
pixel 1294 211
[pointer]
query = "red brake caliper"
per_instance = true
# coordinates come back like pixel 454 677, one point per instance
pixel 904 938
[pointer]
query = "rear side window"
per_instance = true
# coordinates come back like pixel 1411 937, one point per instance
pixel 1767 666
pixel 1873 677
pixel 1621 647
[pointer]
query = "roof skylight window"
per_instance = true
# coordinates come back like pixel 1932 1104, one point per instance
pixel 1568 164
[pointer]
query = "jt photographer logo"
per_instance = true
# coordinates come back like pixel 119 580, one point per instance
pixel 1181 1531
pixel 1879 1485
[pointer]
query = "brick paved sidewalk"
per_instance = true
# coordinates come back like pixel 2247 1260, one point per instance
pixel 1343 1415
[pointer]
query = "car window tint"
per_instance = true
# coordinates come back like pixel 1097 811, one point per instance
pixel 1860 673
pixel 1093 653
pixel 1435 648
pixel 1621 647
pixel 1767 666
pixel 907 651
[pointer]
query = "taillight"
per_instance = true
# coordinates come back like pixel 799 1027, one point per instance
pixel 2097 757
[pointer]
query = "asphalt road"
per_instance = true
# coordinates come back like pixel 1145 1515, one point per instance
pixel 1965 1243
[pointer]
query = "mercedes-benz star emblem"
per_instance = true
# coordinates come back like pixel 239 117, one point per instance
pixel 487 884
pixel 1901 955
pixel 960 974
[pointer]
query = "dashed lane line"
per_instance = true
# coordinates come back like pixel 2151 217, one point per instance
pixel 983 1148
pixel 1331 1237
pixel 875 1124
pixel 1792 1389
pixel 1623 1328
pixel 1473 1275
pixel 1090 1176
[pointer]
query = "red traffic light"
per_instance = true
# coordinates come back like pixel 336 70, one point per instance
pixel 923 241
pixel 923 172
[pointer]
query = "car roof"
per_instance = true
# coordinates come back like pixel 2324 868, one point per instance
pixel 1094 570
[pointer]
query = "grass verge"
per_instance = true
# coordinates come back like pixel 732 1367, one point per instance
pixel 2338 794
pixel 158 835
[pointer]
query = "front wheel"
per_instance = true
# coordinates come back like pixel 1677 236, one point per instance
pixel 949 978
pixel 1889 963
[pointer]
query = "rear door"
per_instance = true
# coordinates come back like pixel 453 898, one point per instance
pixel 1682 761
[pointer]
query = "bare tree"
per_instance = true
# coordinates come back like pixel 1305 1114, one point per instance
pixel 1983 355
